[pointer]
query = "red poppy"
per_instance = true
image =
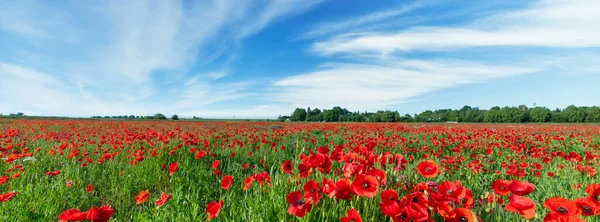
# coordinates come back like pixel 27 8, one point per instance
pixel 213 209
pixel 428 169
pixel 173 168
pixel 287 167
pixel 522 205
pixel 501 187
pixel 353 216
pixel 226 182
pixel 563 206
pixel 142 197
pixel 416 212
pixel 365 185
pixel 593 190
pixel 7 196
pixel 379 174
pixel 4 179
pixel 557 217
pixel 53 173
pixel 328 187
pixel 248 182
pixel 100 214
pixel 452 190
pixel 298 205
pixel 72 215
pixel 462 215
pixel 200 154
pixel 90 188
pixel 316 160
pixel 312 191
pixel 215 164
pixel 587 207
pixel 343 189
pixel 388 196
pixel 521 188
pixel 164 198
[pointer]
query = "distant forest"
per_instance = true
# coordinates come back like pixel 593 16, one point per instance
pixel 508 114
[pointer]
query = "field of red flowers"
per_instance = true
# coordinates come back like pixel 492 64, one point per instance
pixel 85 170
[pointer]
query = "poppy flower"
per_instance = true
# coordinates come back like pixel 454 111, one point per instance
pixel 213 209
pixel 7 196
pixel 343 189
pixel 173 168
pixel 593 190
pixel 428 169
pixel 353 216
pixel 587 207
pixel 248 182
pixel 53 173
pixel 563 206
pixel 100 214
pixel 200 154
pixel 501 187
pixel 388 196
pixel 416 212
pixel 164 198
pixel 142 197
pixel 379 174
pixel 463 215
pixel 522 205
pixel 328 187
pixel 72 215
pixel 4 179
pixel 90 188
pixel 365 185
pixel 316 160
pixel 298 205
pixel 287 167
pixel 452 190
pixel 215 164
pixel 521 188
pixel 226 182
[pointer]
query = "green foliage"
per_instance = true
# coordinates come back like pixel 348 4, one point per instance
pixel 299 115
pixel 507 114
pixel 175 117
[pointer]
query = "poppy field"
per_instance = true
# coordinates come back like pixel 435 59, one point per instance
pixel 102 170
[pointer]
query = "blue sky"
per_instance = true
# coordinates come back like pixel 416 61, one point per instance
pixel 262 58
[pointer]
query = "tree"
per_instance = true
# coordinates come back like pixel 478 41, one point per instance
pixel 159 116
pixel 574 114
pixel 298 115
pixel 175 117
pixel 539 114
pixel 592 114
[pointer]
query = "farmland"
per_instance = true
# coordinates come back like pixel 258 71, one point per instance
pixel 97 170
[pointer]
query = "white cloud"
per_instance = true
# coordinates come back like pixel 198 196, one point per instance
pixel 549 23
pixel 104 57
pixel 363 86
pixel 327 28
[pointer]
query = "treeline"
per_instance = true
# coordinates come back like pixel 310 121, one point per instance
pixel 507 114
pixel 155 116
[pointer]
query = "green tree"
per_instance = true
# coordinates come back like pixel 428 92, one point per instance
pixel 574 114
pixel 539 114
pixel 592 114
pixel 298 115
pixel 175 117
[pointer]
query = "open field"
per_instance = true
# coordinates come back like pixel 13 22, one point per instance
pixel 117 170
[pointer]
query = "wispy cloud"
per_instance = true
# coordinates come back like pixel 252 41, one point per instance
pixel 112 53
pixel 377 86
pixel 327 28
pixel 549 23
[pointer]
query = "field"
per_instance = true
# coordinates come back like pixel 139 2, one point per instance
pixel 97 170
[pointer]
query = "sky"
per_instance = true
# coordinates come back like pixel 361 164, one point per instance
pixel 263 58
